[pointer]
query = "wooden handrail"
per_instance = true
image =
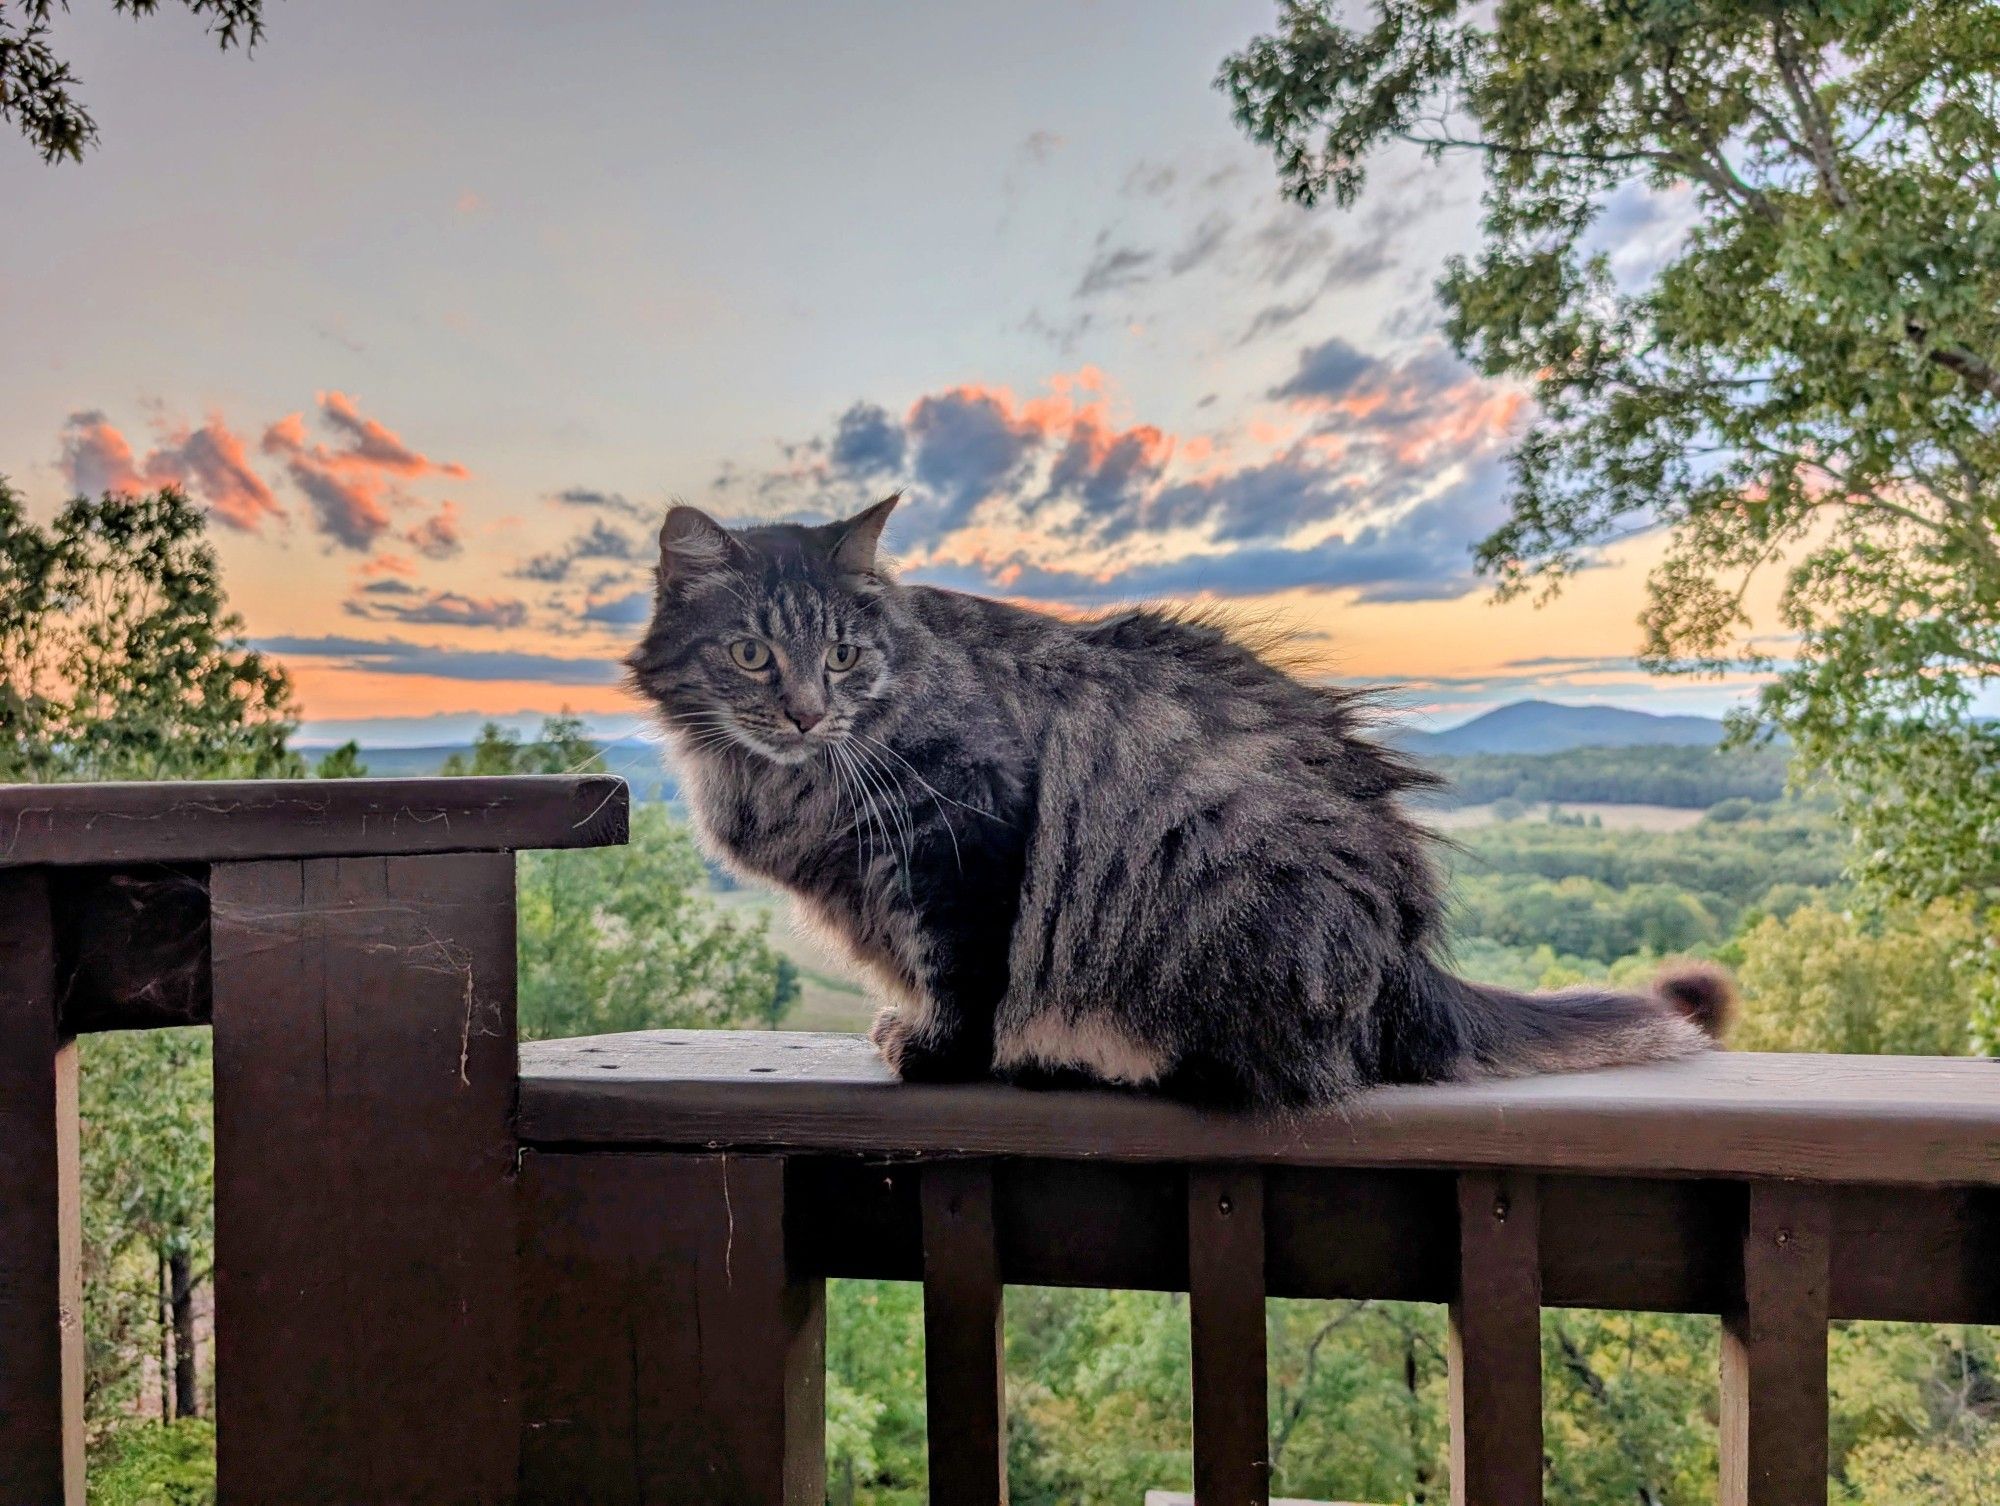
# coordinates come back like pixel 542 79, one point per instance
pixel 451 1271
pixel 66 825
pixel 1776 1191
pixel 1920 1121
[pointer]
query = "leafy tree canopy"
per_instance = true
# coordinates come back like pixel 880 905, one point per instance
pixel 119 658
pixel 626 938
pixel 1809 384
pixel 563 747
pixel 37 87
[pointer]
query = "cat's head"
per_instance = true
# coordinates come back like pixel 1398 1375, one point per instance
pixel 779 639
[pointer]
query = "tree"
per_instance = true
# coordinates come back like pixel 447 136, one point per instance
pixel 1820 980
pixel 343 762
pixel 36 85
pixel 563 747
pixel 149 1213
pixel 118 656
pixel 1809 384
pixel 626 938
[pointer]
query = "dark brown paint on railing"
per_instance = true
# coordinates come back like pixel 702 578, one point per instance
pixel 621 1285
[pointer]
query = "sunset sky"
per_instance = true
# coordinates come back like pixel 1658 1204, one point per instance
pixel 435 307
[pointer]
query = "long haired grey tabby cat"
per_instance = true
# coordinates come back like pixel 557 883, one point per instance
pixel 1126 851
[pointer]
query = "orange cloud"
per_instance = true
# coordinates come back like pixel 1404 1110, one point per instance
pixel 210 463
pixel 375 445
pixel 351 485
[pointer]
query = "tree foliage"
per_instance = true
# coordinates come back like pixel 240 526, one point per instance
pixel 625 938
pixel 564 747
pixel 148 1204
pixel 1821 980
pixel 1809 383
pixel 37 87
pixel 343 762
pixel 119 658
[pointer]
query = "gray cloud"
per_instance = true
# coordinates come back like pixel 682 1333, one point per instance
pixel 1329 369
pixel 1202 244
pixel 1112 268
pixel 867 442
pixel 967 448
pixel 444 608
pixel 600 541
pixel 396 657
pixel 615 502
pixel 621 611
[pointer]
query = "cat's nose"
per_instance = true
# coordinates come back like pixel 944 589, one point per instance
pixel 804 720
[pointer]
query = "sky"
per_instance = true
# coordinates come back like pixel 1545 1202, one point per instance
pixel 437 308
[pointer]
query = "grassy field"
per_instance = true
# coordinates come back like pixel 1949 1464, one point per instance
pixel 831 996
pixel 1612 817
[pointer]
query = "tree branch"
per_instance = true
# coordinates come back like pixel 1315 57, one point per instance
pixel 1505 149
pixel 1812 120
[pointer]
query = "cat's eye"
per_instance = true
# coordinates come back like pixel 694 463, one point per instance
pixel 748 653
pixel 841 657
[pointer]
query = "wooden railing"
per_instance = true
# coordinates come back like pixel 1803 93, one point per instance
pixel 599 1277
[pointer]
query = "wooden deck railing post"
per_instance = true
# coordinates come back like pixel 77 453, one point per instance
pixel 670 1353
pixel 41 1307
pixel 965 1387
pixel 1232 1430
pixel 365 1211
pixel 1496 1342
pixel 1774 1408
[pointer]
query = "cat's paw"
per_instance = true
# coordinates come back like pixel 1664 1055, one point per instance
pixel 890 1036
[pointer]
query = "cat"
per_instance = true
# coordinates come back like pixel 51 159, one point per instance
pixel 1128 851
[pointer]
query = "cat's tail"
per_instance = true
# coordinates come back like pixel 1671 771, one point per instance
pixel 1503 1033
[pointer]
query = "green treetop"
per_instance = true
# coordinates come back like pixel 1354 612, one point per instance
pixel 1808 385
pixel 119 658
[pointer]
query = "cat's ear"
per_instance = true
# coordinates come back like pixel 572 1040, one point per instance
pixel 857 539
pixel 691 543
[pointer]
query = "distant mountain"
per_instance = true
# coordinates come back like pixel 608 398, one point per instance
pixel 1525 727
pixel 1549 727
pixel 637 763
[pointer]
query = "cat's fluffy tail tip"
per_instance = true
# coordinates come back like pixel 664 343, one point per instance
pixel 1703 993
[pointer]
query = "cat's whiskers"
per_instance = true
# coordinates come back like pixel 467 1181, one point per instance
pixel 892 804
pixel 937 797
pixel 935 792
pixel 867 800
pixel 901 804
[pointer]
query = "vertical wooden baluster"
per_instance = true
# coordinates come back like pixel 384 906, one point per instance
pixel 364 1194
pixel 41 1291
pixel 1232 1431
pixel 1774 1449
pixel 1496 1343
pixel 965 1387
pixel 668 1353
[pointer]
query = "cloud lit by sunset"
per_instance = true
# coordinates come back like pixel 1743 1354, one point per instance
pixel 442 398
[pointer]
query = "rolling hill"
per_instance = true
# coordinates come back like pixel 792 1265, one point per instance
pixel 1551 727
pixel 1525 727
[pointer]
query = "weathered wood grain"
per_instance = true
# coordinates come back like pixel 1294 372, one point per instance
pixel 41 1294
pixel 669 1353
pixel 1774 1406
pixel 72 824
pixel 1882 1120
pixel 1496 1343
pixel 365 1210
pixel 1225 1277
pixel 965 1385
